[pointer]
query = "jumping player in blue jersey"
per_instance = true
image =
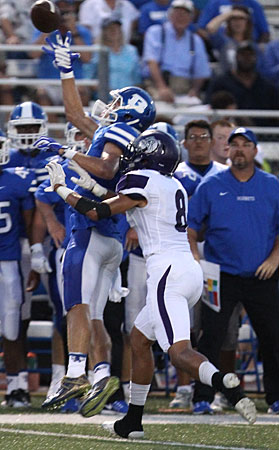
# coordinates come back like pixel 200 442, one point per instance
pixel 95 249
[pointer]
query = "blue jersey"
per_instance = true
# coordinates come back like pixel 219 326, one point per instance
pixel 121 135
pixel 38 162
pixel 190 178
pixel 242 219
pixel 61 209
pixel 16 186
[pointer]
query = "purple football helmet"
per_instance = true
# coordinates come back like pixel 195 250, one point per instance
pixel 153 149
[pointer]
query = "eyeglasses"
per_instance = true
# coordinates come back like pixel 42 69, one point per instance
pixel 195 137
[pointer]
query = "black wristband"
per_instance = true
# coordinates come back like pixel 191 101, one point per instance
pixel 85 204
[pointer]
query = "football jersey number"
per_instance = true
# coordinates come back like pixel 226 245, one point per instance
pixel 181 223
pixel 6 217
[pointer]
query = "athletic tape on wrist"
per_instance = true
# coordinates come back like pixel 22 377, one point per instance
pixel 63 191
pixel 66 75
pixel 69 153
pixel 99 190
pixel 85 204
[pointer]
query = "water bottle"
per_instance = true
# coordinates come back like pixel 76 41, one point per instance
pixel 32 361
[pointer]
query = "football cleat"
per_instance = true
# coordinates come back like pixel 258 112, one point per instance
pixel 17 399
pixel 117 407
pixel 120 429
pixel 70 388
pixel 98 396
pixel 182 400
pixel 202 407
pixel 71 406
pixel 235 395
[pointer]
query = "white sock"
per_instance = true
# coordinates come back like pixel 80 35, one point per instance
pixel 101 370
pixel 184 388
pixel 23 380
pixel 126 390
pixel 90 376
pixel 76 366
pixel 12 383
pixel 57 371
pixel 138 393
pixel 206 371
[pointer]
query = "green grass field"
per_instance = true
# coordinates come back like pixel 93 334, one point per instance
pixel 50 435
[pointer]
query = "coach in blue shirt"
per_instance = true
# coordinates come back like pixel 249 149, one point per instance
pixel 239 208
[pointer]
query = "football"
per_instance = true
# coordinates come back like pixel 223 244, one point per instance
pixel 45 16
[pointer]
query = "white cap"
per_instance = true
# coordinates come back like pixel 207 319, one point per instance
pixel 186 4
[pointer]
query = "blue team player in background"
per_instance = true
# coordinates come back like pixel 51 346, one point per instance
pixel 17 186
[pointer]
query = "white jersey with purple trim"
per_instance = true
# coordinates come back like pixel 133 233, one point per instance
pixel 161 224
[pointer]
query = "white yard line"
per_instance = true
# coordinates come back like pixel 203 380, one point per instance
pixel 72 419
pixel 137 442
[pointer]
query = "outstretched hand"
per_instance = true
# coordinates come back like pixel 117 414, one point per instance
pixel 60 52
pixel 56 175
pixel 85 181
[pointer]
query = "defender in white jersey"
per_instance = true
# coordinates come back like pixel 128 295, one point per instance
pixel 157 205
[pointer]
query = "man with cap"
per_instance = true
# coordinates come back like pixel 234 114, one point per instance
pixel 239 208
pixel 175 58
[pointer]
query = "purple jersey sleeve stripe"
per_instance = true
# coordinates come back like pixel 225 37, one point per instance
pixel 162 307
pixel 132 181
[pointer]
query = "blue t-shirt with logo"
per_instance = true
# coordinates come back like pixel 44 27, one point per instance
pixel 241 218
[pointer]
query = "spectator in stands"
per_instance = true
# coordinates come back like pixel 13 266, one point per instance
pixel 248 260
pixel 226 31
pixel 51 95
pixel 16 24
pixel 93 12
pixel 152 13
pixel 216 7
pixel 271 62
pixel 124 62
pixel 250 90
pixel 175 59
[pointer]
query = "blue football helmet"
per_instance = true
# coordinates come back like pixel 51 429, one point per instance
pixel 4 149
pixel 153 149
pixel 74 137
pixel 166 128
pixel 131 105
pixel 27 123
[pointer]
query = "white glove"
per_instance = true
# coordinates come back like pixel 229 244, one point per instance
pixel 56 175
pixel 85 181
pixel 39 262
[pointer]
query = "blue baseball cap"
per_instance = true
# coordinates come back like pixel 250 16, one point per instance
pixel 245 132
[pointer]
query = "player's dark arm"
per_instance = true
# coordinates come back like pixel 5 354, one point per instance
pixel 39 228
pixel 104 167
pixel 33 277
pixel 54 227
pixel 28 215
pixel 193 241
pixel 99 210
